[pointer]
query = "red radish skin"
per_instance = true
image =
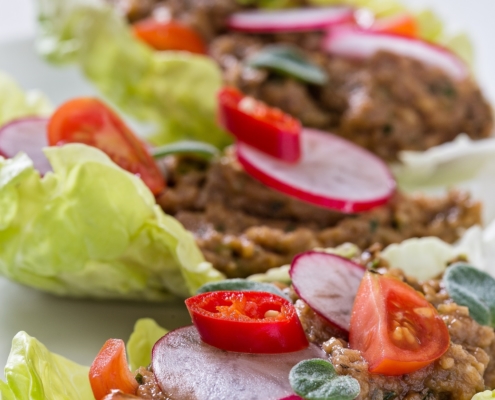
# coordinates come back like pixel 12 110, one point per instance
pixel 26 135
pixel 328 283
pixel 187 368
pixel 332 173
pixel 291 20
pixel 360 44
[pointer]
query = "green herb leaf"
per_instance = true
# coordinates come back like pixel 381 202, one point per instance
pixel 316 379
pixel 472 288
pixel 286 60
pixel 184 147
pixel 241 285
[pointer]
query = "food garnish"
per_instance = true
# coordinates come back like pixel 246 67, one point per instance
pixel 290 20
pixel 355 43
pixel 200 149
pixel 396 329
pixel 90 121
pixel 250 322
pixel 403 24
pixel 189 368
pixel 29 136
pixel 332 173
pixel 316 379
pixel 169 35
pixel 265 128
pixel 328 283
pixel 241 285
pixel 472 288
pixel 110 371
pixel 287 60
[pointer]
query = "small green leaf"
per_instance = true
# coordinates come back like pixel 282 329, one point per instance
pixel 241 285
pixel 184 147
pixel 316 379
pixel 472 288
pixel 286 60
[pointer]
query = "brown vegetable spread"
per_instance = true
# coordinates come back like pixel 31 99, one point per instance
pixel 244 227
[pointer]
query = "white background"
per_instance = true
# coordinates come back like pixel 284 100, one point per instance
pixel 77 329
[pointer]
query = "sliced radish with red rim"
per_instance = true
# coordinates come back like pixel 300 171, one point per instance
pixel 26 135
pixel 332 173
pixel 328 283
pixel 187 368
pixel 291 20
pixel 360 44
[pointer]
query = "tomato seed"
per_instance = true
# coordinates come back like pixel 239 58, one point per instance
pixel 272 314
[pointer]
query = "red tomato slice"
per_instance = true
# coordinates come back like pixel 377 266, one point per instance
pixel 169 35
pixel 247 322
pixel 89 121
pixel 110 371
pixel 401 24
pixel 397 330
pixel 265 128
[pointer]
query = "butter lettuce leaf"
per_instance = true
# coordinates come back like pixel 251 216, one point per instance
pixel 174 90
pixel 486 395
pixel 91 229
pixel 33 373
pixel 146 333
pixel 15 103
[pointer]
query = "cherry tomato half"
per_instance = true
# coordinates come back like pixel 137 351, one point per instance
pixel 396 329
pixel 265 128
pixel 110 371
pixel 169 35
pixel 89 121
pixel 401 24
pixel 247 322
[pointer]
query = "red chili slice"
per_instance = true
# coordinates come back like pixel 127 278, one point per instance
pixel 247 322
pixel 265 128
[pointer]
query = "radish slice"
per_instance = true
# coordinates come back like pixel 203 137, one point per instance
pixel 332 173
pixel 29 136
pixel 354 43
pixel 328 284
pixel 187 368
pixel 293 20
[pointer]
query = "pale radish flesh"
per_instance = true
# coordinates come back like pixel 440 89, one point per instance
pixel 332 173
pixel 26 135
pixel 187 368
pixel 328 283
pixel 360 44
pixel 290 20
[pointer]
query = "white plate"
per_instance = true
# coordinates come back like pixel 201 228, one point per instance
pixel 77 329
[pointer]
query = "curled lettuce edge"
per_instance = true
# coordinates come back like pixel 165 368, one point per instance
pixel 118 242
pixel 16 103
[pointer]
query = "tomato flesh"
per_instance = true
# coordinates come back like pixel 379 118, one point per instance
pixel 89 121
pixel 396 329
pixel 110 371
pixel 247 322
pixel 169 35
pixel 265 128
pixel 402 24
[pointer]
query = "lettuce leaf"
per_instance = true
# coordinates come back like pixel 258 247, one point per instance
pixel 33 373
pixel 15 103
pixel 486 395
pixel 146 333
pixel 174 90
pixel 91 229
pixel 447 164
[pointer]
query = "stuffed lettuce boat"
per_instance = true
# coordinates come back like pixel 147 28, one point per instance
pixel 378 97
pixel 438 343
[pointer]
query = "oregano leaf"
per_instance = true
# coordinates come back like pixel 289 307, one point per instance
pixel 317 379
pixel 287 60
pixel 241 285
pixel 474 289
